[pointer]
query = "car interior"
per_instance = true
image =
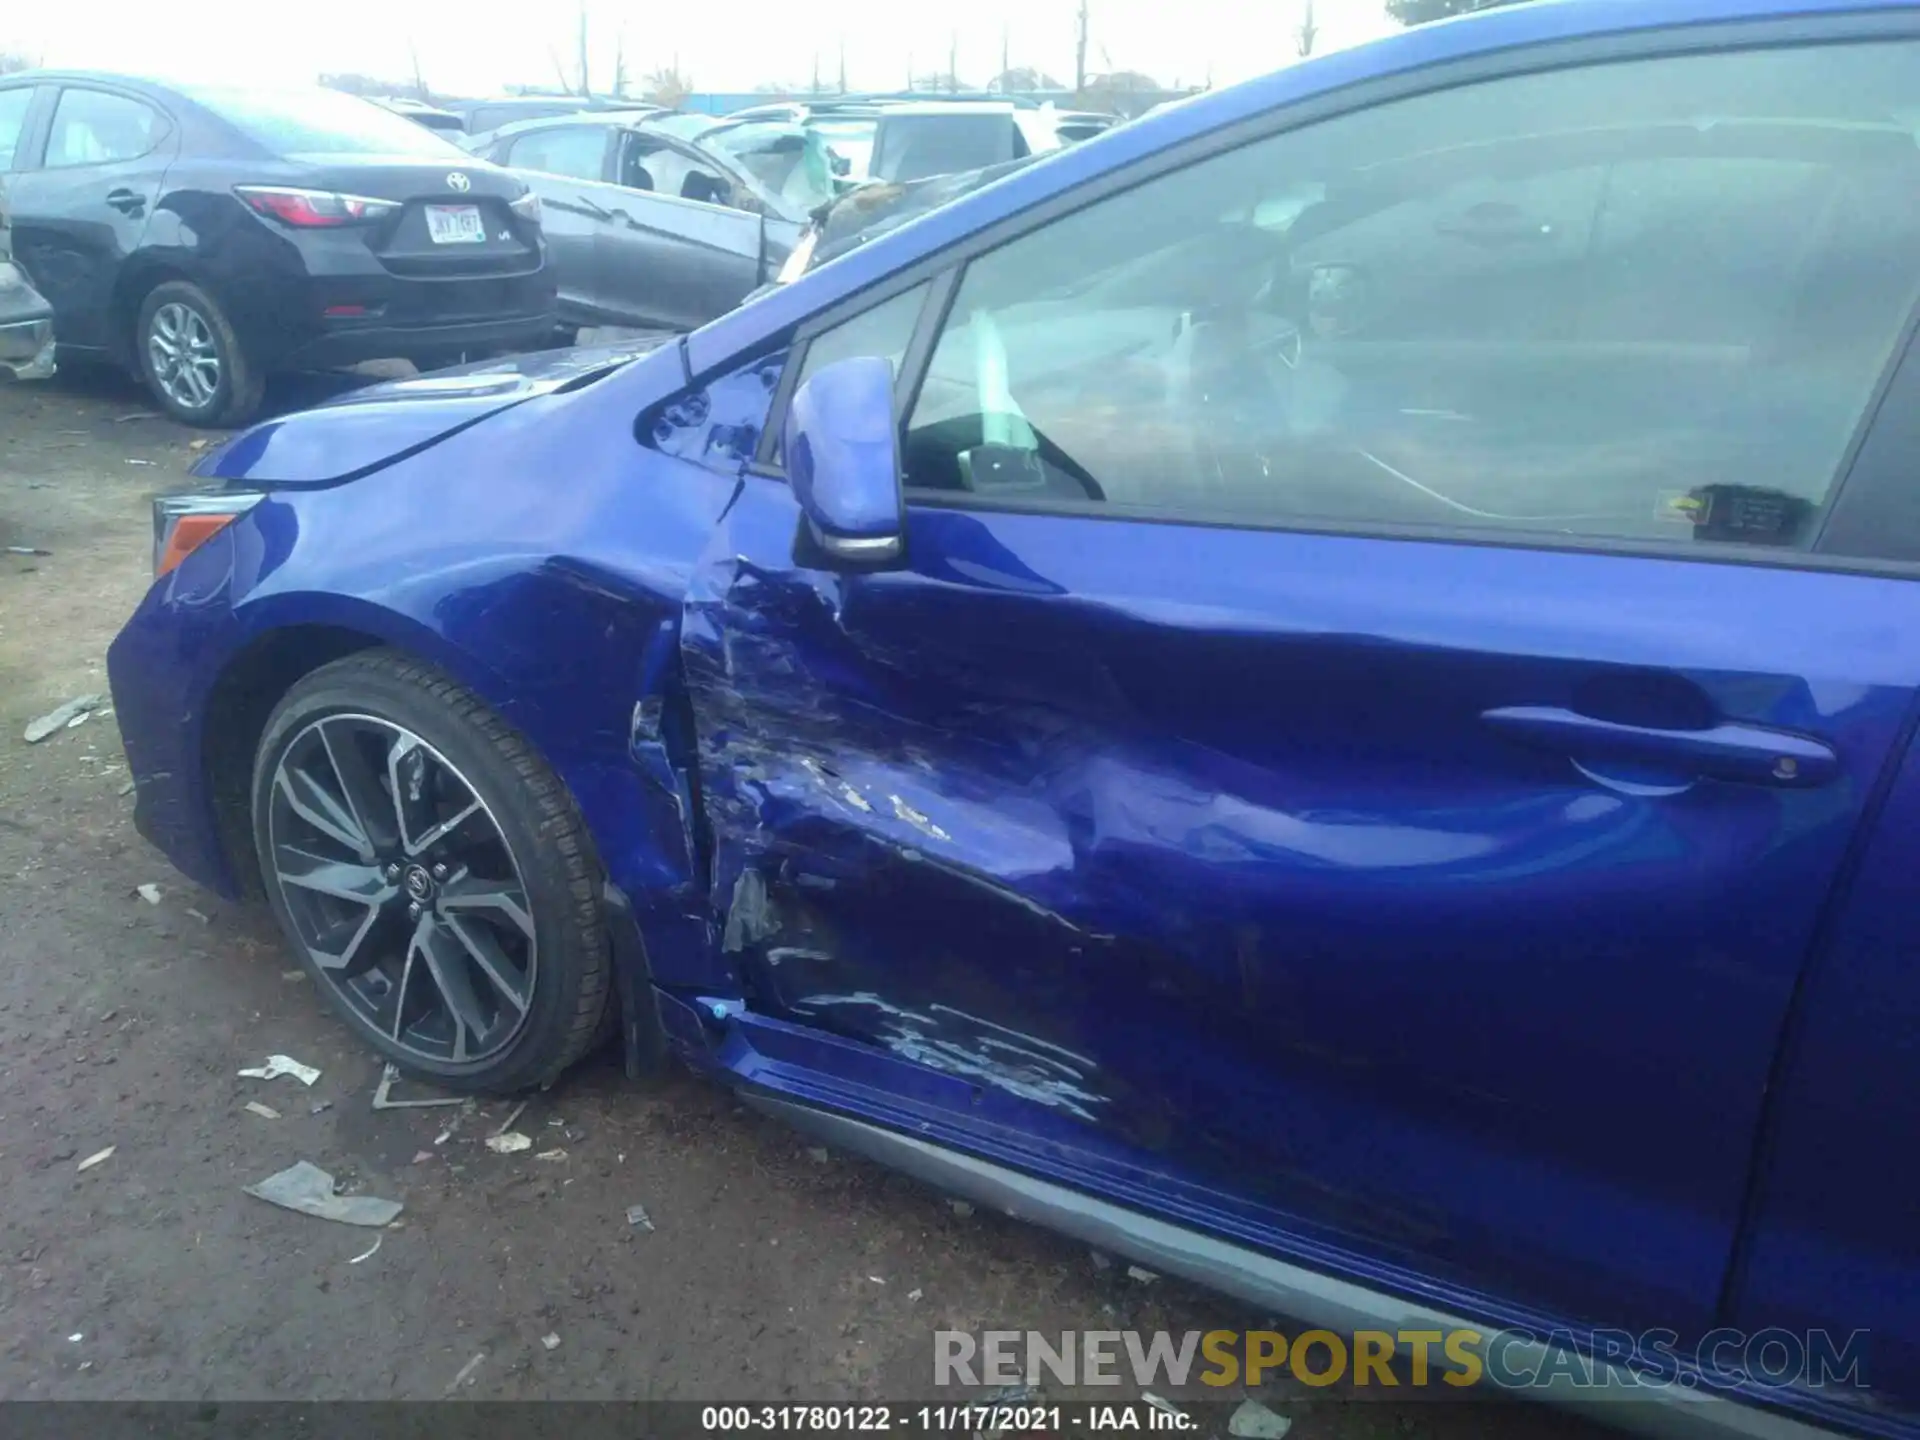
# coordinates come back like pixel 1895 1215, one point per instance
pixel 1580 331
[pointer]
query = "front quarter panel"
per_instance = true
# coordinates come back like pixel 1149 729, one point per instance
pixel 538 557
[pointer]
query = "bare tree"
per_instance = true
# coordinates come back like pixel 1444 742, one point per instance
pixel 419 81
pixel 1306 34
pixel 12 62
pixel 1080 52
pixel 668 86
pixel 586 75
pixel 1022 79
pixel 953 64
pixel 620 64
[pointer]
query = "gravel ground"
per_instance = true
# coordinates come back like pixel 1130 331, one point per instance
pixel 773 1272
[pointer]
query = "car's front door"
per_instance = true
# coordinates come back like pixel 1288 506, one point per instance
pixel 1348 762
pixel 81 206
pixel 674 249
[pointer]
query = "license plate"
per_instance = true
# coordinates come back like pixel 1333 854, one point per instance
pixel 455 225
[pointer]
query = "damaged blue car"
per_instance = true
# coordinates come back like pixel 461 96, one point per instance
pixel 1318 691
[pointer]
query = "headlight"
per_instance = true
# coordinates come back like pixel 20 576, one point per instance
pixel 527 207
pixel 800 259
pixel 183 523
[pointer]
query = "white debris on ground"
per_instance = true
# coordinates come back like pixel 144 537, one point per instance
pixel 308 1189
pixel 278 1065
pixel 61 716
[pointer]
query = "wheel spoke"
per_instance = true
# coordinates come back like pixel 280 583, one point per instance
pixel 492 960
pixel 359 782
pixel 308 799
pixel 399 995
pixel 362 884
pixel 497 897
pixel 418 785
pixel 348 954
pixel 449 973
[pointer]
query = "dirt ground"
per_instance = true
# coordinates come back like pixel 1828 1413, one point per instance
pixel 772 1272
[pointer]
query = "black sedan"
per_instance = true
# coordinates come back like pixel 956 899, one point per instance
pixel 665 220
pixel 206 237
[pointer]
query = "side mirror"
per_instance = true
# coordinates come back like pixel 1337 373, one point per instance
pixel 842 452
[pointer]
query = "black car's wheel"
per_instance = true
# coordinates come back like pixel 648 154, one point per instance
pixel 192 360
pixel 432 874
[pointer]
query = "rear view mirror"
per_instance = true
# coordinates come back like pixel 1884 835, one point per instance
pixel 842 452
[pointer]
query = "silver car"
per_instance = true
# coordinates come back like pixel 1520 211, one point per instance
pixel 664 221
pixel 26 320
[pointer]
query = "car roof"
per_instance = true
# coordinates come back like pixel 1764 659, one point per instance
pixel 909 108
pixel 1461 38
pixel 610 118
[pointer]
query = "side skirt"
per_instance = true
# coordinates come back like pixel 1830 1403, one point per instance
pixel 1614 1395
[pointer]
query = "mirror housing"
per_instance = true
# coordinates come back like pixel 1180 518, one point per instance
pixel 842 455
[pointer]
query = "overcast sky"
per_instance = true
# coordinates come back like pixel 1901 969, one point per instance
pixel 478 46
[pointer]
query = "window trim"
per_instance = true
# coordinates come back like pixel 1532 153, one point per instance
pixel 161 132
pixel 10 164
pixel 512 143
pixel 946 267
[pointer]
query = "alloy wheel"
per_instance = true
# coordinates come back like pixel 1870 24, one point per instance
pixel 402 888
pixel 184 356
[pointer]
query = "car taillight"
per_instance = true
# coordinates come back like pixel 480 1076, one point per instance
pixel 183 523
pixel 313 209
pixel 527 207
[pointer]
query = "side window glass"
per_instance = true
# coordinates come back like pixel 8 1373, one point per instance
pixel 886 330
pixel 576 151
pixel 649 165
pixel 1647 300
pixel 91 127
pixel 13 121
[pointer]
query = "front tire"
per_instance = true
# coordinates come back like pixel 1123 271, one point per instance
pixel 432 875
pixel 192 360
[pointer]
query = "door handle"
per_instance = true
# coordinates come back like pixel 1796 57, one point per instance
pixel 127 202
pixel 1748 754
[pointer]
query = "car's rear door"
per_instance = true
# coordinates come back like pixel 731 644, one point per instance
pixel 567 166
pixel 82 202
pixel 1376 810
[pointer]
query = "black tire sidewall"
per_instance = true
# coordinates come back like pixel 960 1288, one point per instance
pixel 567 950
pixel 231 397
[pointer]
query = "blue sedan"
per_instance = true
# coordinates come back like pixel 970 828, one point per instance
pixel 1318 691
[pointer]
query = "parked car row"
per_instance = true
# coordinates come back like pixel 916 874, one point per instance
pixel 207 237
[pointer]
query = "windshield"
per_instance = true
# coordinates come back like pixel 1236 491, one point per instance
pixel 789 162
pixel 914 147
pixel 852 141
pixel 323 122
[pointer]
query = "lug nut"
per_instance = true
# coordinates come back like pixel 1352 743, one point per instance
pixel 439 872
pixel 413 911
pixel 393 872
